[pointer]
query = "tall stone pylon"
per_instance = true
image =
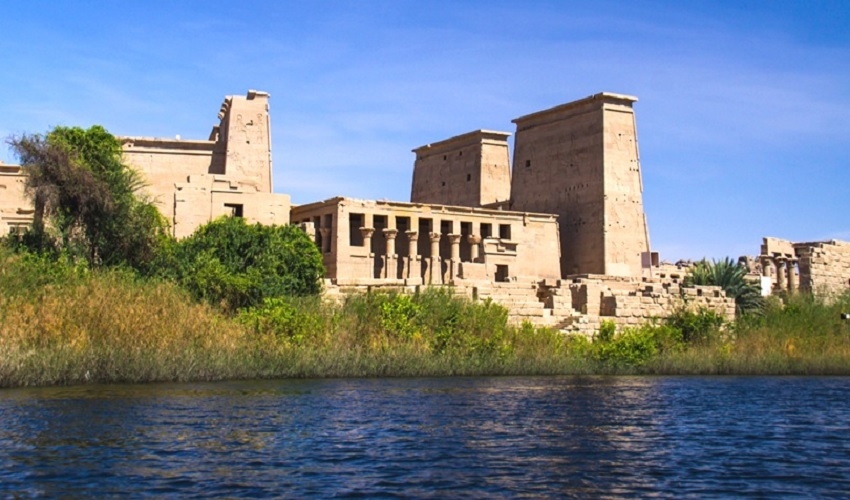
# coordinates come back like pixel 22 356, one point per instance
pixel 580 161
pixel 470 170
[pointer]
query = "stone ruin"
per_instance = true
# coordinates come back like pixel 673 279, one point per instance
pixel 784 267
pixel 560 240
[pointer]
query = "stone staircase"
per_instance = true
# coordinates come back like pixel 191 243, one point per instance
pixel 520 299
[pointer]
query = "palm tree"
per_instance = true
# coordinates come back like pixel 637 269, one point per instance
pixel 732 277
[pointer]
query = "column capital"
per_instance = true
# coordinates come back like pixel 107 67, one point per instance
pixel 474 239
pixel 434 237
pixel 454 238
pixel 413 235
pixel 367 232
pixel 390 233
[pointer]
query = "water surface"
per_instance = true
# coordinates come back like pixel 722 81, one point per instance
pixel 472 437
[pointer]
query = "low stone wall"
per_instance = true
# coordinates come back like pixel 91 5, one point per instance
pixel 824 267
pixel 580 304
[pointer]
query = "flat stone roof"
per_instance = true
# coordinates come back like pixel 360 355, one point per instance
pixel 572 107
pixel 474 137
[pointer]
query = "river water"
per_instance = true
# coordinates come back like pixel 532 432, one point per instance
pixel 432 437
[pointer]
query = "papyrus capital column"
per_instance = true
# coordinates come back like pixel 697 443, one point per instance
pixel 475 242
pixel 792 274
pixel 454 239
pixel 367 233
pixel 390 234
pixel 780 273
pixel 413 238
pixel 326 239
pixel 766 264
pixel 435 244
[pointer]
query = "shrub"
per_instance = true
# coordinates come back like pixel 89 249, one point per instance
pixel 86 199
pixel 696 327
pixel 238 265
pixel 634 347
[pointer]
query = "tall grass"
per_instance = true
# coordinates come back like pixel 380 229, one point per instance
pixel 64 324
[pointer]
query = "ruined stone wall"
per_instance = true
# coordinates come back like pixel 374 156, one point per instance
pixel 580 161
pixel 470 170
pixel 824 267
pixel 164 163
pixel 193 181
pixel 15 209
pixel 576 306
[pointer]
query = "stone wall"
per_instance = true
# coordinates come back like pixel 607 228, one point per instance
pixel 575 306
pixel 194 181
pixel 580 161
pixel 824 267
pixel 15 209
pixel 396 242
pixel 470 170
pixel 191 181
pixel 820 267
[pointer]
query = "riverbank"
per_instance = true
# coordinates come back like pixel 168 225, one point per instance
pixel 63 325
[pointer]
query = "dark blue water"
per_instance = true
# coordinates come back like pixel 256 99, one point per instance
pixel 454 437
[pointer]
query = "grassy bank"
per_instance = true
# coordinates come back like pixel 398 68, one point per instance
pixel 61 324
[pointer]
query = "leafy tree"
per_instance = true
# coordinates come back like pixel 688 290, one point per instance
pixel 239 265
pixel 732 277
pixel 86 199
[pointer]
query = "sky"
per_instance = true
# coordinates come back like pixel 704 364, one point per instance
pixel 742 114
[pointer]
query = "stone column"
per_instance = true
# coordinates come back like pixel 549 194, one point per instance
pixel 475 242
pixel 780 274
pixel 766 264
pixel 367 233
pixel 792 275
pixel 454 263
pixel 413 238
pixel 435 271
pixel 326 239
pixel 390 270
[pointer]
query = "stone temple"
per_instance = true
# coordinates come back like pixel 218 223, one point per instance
pixel 558 235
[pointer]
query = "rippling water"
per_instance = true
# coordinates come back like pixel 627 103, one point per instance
pixel 473 437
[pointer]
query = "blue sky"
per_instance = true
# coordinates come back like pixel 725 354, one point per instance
pixel 742 114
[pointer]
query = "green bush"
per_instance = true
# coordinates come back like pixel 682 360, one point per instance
pixel 237 265
pixel 634 347
pixel 697 327
pixel 297 320
pixel 86 200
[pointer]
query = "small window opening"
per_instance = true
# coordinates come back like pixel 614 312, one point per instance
pixel 444 183
pixel 468 177
pixel 527 163
pixel 505 231
pixel 486 230
pixel 445 157
pixel 502 273
pixel 355 236
pixel 235 209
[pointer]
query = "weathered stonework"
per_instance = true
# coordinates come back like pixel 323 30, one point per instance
pixel 580 161
pixel 821 267
pixel 380 242
pixel 15 210
pixel 472 224
pixel 470 170
pixel 192 181
pixel 195 181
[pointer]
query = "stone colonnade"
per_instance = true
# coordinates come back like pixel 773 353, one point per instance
pixel 360 243
pixel 786 271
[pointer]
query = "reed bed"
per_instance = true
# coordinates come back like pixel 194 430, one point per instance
pixel 61 324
